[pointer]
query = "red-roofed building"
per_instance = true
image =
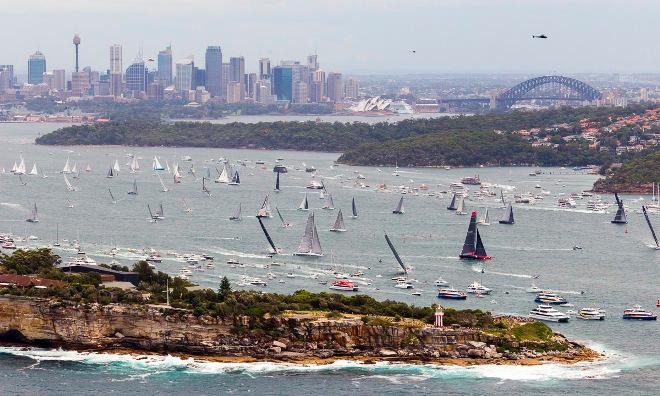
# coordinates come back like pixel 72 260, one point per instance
pixel 25 281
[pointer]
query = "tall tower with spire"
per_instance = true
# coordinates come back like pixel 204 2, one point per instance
pixel 76 42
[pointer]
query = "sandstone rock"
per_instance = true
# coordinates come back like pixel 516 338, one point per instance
pixel 119 335
pixel 280 345
pixel 275 349
pixel 387 352
pixel 477 344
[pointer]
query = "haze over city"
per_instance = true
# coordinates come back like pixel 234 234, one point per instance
pixel 364 37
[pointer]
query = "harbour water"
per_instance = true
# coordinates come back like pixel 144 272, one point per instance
pixel 614 270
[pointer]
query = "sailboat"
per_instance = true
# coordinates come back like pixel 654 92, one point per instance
pixel 399 207
pixel 34 171
pixel 309 243
pixel 14 167
pixel 115 167
pixel 68 184
pixel 329 203
pixel 160 213
pixel 23 182
pixel 112 197
pixel 277 182
pixel 354 208
pixel 648 221
pixel 284 223
pixel 74 168
pixel 134 191
pixel 177 175
pixel 508 215
pixel 135 165
pixel 156 164
pixel 111 173
pixel 270 240
pixel 473 247
pixel 620 217
pixel 162 185
pixel 152 217
pixel 57 235
pixel 88 168
pixel 67 167
pixel 167 167
pixel 33 217
pixel 204 188
pixel 396 254
pixel 224 175
pixel 304 204
pixel 237 214
pixel 20 169
pixel 396 169
pixel 187 208
pixel 264 210
pixel 339 223
pixel 502 198
pixel 235 179
pixel 460 209
pixel 485 220
pixel 452 204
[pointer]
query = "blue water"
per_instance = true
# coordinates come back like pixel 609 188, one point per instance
pixel 615 269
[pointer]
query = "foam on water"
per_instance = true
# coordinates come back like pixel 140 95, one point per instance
pixel 610 367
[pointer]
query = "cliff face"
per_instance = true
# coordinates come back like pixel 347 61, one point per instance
pixel 49 323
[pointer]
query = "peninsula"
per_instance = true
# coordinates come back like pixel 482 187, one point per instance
pixel 634 177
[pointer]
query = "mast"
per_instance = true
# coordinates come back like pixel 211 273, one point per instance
pixel 354 208
pixel 620 217
pixel 396 254
pixel 648 221
pixel 270 241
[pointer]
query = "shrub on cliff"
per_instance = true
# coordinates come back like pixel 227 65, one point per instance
pixel 26 262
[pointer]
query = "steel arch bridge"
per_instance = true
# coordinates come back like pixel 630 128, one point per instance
pixel 516 93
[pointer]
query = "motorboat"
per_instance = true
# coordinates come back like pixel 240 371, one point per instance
pixel 154 259
pixel 451 294
pixel 9 245
pixel 233 261
pixel 440 282
pixel 343 285
pixel 591 314
pixel 534 289
pixel 404 285
pixel 550 298
pixel 478 288
pixel 548 314
pixel 637 313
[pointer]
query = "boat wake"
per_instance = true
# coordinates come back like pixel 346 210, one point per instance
pixel 141 365
pixel 478 269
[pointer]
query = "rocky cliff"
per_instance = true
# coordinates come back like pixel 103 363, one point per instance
pixel 287 338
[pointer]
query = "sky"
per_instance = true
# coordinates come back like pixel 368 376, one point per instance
pixel 350 36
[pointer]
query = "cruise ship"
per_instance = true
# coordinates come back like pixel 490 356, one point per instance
pixel 548 314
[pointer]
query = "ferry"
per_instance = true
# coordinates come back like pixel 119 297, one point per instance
pixel 343 285
pixel 550 298
pixel 472 181
pixel 548 314
pixel 637 313
pixel 478 288
pixel 591 314
pixel 451 294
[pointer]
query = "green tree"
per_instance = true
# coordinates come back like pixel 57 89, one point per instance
pixel 225 288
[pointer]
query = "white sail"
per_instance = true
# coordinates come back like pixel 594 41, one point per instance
pixel 88 168
pixel 135 165
pixel 399 207
pixel 167 167
pixel 224 175
pixel 264 211
pixel 461 204
pixel 68 184
pixel 339 223
pixel 162 185
pixel 34 171
pixel 14 167
pixel 156 164
pixel 329 203
pixel 67 166
pixel 309 243
pixel 21 167
pixel 74 169
pixel 304 204
pixel 115 167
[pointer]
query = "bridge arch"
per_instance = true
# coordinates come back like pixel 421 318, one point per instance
pixel 517 92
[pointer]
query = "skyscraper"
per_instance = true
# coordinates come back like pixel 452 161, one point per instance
pixel 264 69
pixel 226 73
pixel 282 82
pixel 8 75
pixel 165 65
pixel 59 80
pixel 313 62
pixel 300 92
pixel 335 87
pixel 36 68
pixel 136 77
pixel 184 75
pixel 214 71
pixel 116 59
pixel 237 72
pixel 351 88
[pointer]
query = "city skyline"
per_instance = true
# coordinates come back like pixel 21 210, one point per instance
pixel 356 38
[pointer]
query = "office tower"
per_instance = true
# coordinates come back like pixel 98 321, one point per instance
pixel 237 71
pixel 351 88
pixel 300 92
pixel 226 72
pixel 79 83
pixel 9 76
pixel 155 90
pixel 5 78
pixel 316 92
pixel 234 89
pixel 36 68
pixel 165 65
pixel 136 77
pixel 251 85
pixel 200 78
pixel 263 92
pixel 282 82
pixel 335 87
pixel 184 75
pixel 264 69
pixel 313 62
pixel 213 81
pixel 116 65
pixel 76 42
pixel 59 82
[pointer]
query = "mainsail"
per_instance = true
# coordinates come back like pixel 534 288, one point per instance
pixel 33 218
pixel 648 221
pixel 508 215
pixel 34 171
pixel 396 254
pixel 354 207
pixel 204 188
pixel 134 191
pixel 620 217
pixel 452 204
pixel 67 167
pixel 277 182
pixel 310 244
pixel 111 173
pixel 135 165
pixel 116 166
pixel 270 240
pixel 224 176
pixel 461 206
pixel 485 220
pixel 264 210
pixel 68 184
pixel 235 179
pixel 329 203
pixel 473 247
pixel 304 204
pixel 399 207
pixel 237 213
pixel 156 165
pixel 339 223
pixel 162 185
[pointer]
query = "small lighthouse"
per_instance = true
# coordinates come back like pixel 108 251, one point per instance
pixel 439 314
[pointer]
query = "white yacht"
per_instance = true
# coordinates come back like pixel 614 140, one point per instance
pixel 591 314
pixel 534 289
pixel 478 288
pixel 404 285
pixel 549 314
pixel 441 282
